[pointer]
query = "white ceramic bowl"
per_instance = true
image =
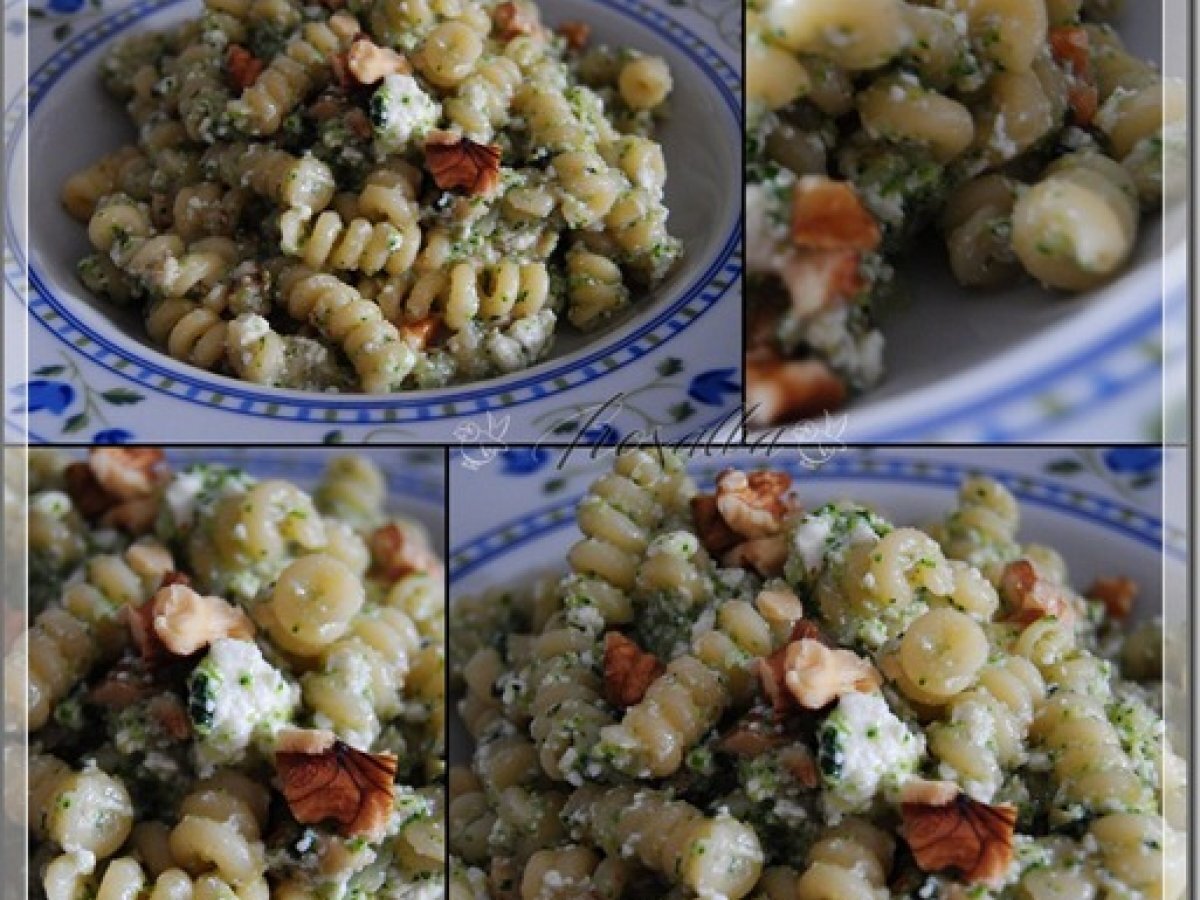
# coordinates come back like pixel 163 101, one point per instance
pixel 676 350
pixel 1024 364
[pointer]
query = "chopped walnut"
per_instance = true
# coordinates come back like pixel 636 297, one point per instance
pixel 459 162
pixel 780 390
pixel 1028 596
pixel 748 741
pixel 799 762
pixel 714 534
pixel 369 63
pixel 928 793
pixel 765 555
pixel 513 19
pixel 116 486
pixel 172 718
pixel 127 473
pixel 772 672
pixel 816 675
pixel 132 516
pixel 397 551
pixel 186 621
pixel 754 505
pixel 1117 594
pixel 420 332
pixel 349 786
pixel 304 740
pixel 963 834
pixel 85 491
pixel 360 126
pixel 575 33
pixel 829 215
pixel 174 577
pixel 243 66
pixel 120 689
pixel 628 670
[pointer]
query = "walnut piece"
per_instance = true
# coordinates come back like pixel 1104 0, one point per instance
pixel 186 621
pixel 1117 594
pixel 459 162
pixel 765 555
pixel 304 740
pixel 816 674
pixel 116 487
pixel 420 332
pixel 397 551
pixel 748 741
pixel 576 34
pixel 754 505
pixel 628 670
pixel 714 534
pixel 132 516
pixel 243 66
pixel 128 472
pixel 772 670
pixel 780 390
pixel 798 760
pixel 119 689
pixel 829 215
pixel 172 718
pixel 928 793
pixel 369 63
pixel 1028 596
pixel 514 19
pixel 973 838
pixel 349 786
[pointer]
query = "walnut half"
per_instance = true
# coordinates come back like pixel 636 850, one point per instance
pixel 961 834
pixel 459 162
pixel 349 786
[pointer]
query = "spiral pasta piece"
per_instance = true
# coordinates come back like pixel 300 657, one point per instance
pixel 716 856
pixel 359 245
pixel 71 637
pixel 848 862
pixel 982 529
pixel 84 810
pixel 219 831
pixel 303 182
pixel 188 331
pixel 303 66
pixel 372 344
pixel 985 733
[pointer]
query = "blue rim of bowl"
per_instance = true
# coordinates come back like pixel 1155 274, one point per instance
pixel 1096 361
pixel 307 464
pixel 192 385
pixel 1087 506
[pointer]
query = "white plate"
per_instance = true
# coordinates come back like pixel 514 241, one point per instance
pixel 512 515
pixel 93 376
pixel 1026 365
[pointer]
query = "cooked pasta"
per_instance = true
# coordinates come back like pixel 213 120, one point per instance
pixel 193 652
pixel 376 199
pixel 733 696
pixel 1023 128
